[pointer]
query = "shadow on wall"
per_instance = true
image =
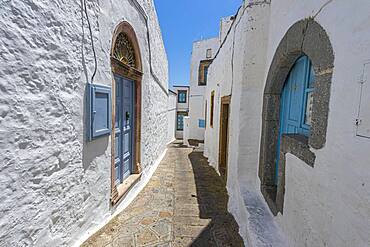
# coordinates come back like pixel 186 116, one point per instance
pixel 98 147
pixel 91 150
pixel 212 199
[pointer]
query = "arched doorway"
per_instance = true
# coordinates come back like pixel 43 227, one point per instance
pixel 305 51
pixel 126 119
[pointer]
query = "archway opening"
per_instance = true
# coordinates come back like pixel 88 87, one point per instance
pixel 126 111
pixel 294 115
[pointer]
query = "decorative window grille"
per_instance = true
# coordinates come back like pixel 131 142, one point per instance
pixel 124 50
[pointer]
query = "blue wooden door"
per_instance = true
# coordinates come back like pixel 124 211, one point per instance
pixel 124 128
pixel 296 103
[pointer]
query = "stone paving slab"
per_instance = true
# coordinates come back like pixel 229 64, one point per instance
pixel 184 204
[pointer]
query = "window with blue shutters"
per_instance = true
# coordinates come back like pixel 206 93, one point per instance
pixel 181 96
pixel 99 111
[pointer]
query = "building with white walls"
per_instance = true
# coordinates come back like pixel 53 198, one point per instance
pixel 201 56
pixel 74 145
pixel 171 115
pixel 288 124
pixel 182 109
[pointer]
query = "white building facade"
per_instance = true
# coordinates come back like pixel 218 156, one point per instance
pixel 201 57
pixel 171 115
pixel 64 119
pixel 306 183
pixel 182 109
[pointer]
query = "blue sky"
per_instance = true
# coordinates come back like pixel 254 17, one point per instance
pixel 185 21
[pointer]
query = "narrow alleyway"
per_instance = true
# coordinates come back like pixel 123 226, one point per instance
pixel 184 204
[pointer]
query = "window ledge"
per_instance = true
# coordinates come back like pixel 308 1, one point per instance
pixel 297 145
pixel 125 187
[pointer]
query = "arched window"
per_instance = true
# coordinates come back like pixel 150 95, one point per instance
pixel 295 105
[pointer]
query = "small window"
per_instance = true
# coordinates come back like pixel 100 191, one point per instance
pixel 201 123
pixel 203 72
pixel 180 120
pixel 209 53
pixel 181 97
pixel 212 106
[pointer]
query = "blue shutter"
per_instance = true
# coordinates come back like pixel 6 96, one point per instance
pixel 99 109
pixel 202 123
pixel 180 122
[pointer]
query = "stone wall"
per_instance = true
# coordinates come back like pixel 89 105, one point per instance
pixel 56 185
pixel 328 202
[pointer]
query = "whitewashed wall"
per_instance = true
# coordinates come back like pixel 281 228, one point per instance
pixel 56 186
pixel 335 194
pixel 197 99
pixel 171 116
pixel 324 206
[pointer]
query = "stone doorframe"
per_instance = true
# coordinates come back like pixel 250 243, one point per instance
pixel 306 37
pixel 126 63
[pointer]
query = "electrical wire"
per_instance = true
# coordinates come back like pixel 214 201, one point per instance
pixel 92 41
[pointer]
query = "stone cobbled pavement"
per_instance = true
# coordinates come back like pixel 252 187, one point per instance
pixel 184 204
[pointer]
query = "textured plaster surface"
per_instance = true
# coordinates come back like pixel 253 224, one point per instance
pixel 329 202
pixel 56 186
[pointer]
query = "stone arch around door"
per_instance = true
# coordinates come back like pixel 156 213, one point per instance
pixel 125 58
pixel 306 37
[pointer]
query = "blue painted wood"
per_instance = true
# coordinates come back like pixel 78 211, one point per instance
pixel 98 110
pixel 180 121
pixel 293 103
pixel 202 123
pixel 124 125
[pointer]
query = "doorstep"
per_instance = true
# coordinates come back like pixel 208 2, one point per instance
pixel 125 187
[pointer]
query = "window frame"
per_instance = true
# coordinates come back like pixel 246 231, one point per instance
pixel 203 67
pixel 179 92
pixel 209 53
pixel 183 114
pixel 212 106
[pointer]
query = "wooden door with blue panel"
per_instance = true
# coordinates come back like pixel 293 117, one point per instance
pixel 124 126
pixel 296 103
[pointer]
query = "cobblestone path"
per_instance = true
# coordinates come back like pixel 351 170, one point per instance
pixel 184 204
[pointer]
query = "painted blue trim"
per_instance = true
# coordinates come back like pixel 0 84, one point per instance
pixel 93 118
pixel 293 102
pixel 202 123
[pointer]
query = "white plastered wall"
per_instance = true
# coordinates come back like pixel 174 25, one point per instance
pixel 171 116
pixel 197 99
pixel 327 205
pixel 55 185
